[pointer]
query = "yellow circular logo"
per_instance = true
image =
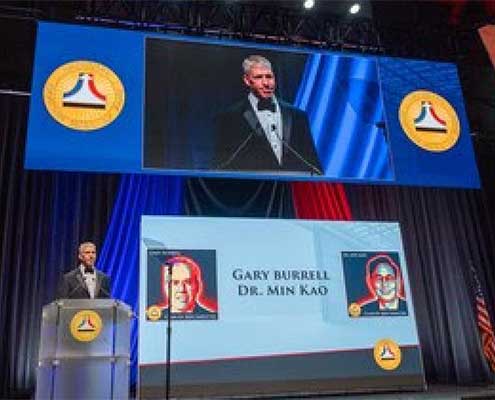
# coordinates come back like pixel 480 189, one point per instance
pixel 84 95
pixel 429 121
pixel 354 310
pixel 387 354
pixel 85 325
pixel 154 313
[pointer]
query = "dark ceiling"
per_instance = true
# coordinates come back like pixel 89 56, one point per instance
pixel 440 30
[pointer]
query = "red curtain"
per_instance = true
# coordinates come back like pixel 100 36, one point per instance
pixel 320 201
pixel 487 34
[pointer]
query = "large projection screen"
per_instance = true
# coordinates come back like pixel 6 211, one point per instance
pixel 275 307
pixel 138 102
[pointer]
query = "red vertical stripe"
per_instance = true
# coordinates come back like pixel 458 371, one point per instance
pixel 486 331
pixel 487 34
pixel 320 200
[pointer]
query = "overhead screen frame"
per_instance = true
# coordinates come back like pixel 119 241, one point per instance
pixel 119 147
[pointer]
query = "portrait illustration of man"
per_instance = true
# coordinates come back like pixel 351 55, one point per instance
pixel 182 291
pixel 262 132
pixel 385 288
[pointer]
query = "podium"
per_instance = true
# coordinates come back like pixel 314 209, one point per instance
pixel 84 350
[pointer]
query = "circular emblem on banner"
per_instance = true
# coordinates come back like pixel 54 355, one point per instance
pixel 354 310
pixel 429 121
pixel 84 95
pixel 154 313
pixel 387 354
pixel 85 325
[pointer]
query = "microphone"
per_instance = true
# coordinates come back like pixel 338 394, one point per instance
pixel 237 151
pixel 86 287
pixel 105 291
pixel 383 129
pixel 314 169
pixel 78 286
pixel 256 130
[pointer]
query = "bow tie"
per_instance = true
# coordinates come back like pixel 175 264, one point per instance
pixel 89 270
pixel 266 104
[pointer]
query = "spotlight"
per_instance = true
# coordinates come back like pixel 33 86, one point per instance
pixel 354 9
pixel 309 4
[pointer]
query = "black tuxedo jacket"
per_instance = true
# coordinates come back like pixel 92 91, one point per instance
pixel 72 286
pixel 241 142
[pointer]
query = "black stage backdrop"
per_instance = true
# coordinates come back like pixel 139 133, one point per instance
pixel 44 215
pixel 447 235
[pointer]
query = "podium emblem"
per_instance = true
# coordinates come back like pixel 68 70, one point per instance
pixel 86 325
pixel 84 95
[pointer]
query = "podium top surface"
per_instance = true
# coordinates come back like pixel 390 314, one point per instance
pixel 90 304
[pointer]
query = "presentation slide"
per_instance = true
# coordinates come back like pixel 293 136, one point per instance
pixel 110 100
pixel 261 306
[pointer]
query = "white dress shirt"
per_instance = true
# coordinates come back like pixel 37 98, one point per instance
pixel 271 122
pixel 89 280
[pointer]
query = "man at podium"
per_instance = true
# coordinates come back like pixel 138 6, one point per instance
pixel 85 281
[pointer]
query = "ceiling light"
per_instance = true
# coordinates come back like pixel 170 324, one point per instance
pixel 309 4
pixel 354 9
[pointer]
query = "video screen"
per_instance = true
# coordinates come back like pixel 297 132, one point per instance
pixel 205 112
pixel 137 102
pixel 330 310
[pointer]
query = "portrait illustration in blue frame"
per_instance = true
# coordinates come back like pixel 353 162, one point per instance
pixel 374 284
pixel 182 282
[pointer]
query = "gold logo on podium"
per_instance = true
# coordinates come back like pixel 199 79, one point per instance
pixel 429 121
pixel 387 354
pixel 85 325
pixel 84 95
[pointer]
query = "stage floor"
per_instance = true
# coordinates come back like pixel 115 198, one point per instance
pixel 434 392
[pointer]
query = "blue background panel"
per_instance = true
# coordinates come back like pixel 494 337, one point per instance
pixel 114 148
pixel 455 167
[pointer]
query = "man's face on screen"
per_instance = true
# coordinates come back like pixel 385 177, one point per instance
pixel 261 81
pixel 87 255
pixel 184 289
pixel 385 282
